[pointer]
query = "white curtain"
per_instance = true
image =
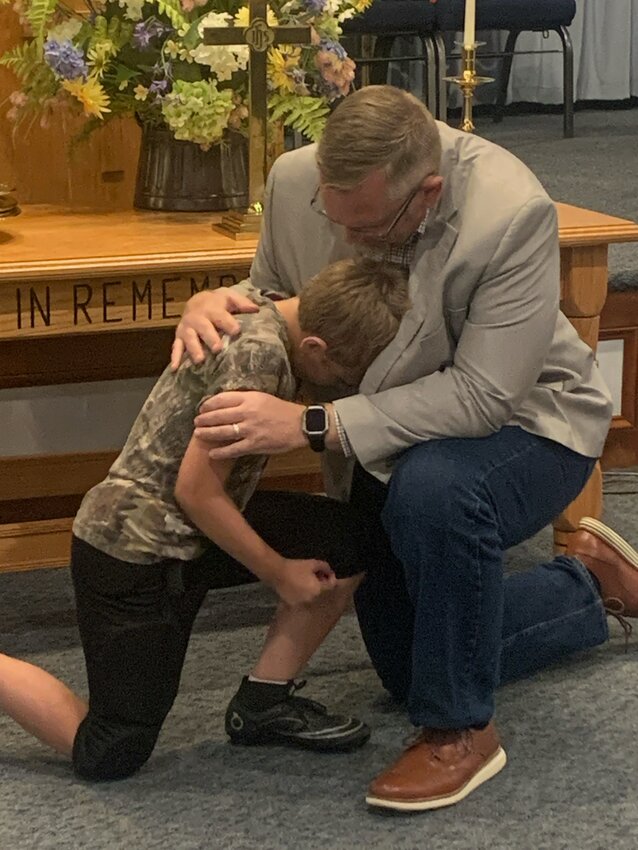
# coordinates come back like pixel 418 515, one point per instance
pixel 605 38
pixel 604 35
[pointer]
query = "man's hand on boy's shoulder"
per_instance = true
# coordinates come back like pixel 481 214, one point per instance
pixel 248 423
pixel 207 316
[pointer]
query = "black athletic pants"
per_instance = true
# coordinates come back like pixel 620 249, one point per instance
pixel 135 621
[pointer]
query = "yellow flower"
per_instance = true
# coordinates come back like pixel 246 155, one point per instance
pixel 281 61
pixel 91 95
pixel 172 49
pixel 141 92
pixel 362 5
pixel 242 15
pixel 100 54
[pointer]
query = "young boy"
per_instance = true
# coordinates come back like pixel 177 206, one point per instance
pixel 152 538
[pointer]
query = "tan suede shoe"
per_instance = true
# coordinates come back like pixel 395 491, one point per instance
pixel 439 769
pixel 612 560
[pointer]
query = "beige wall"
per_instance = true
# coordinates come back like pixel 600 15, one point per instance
pixel 101 172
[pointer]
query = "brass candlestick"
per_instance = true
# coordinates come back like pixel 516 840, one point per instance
pixel 467 82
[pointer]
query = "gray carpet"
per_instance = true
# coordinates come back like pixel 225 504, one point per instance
pixel 598 169
pixel 570 733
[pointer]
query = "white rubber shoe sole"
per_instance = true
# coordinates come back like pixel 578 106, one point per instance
pixel 602 531
pixel 490 769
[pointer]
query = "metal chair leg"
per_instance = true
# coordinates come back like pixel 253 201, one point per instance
pixel 382 50
pixel 504 76
pixel 441 71
pixel 568 83
pixel 365 49
pixel 430 75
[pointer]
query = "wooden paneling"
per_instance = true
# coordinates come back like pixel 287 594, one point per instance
pixel 100 173
pixel 29 485
pixel 45 476
pixel 619 320
pixel 31 545
pixel 90 357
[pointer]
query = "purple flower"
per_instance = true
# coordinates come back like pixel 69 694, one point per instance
pixel 315 6
pixel 158 87
pixel 163 68
pixel 145 31
pixel 333 47
pixel 65 59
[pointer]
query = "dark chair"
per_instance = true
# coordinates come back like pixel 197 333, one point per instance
pixel 375 32
pixel 517 16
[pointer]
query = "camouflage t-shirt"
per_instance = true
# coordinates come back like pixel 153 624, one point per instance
pixel 132 515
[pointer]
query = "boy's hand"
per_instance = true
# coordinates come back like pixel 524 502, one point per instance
pixel 302 581
pixel 205 314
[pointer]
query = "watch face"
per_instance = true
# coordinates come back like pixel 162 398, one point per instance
pixel 315 420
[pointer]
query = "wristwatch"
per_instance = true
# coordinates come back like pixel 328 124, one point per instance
pixel 314 424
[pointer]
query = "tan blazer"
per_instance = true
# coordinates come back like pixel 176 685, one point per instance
pixel 484 344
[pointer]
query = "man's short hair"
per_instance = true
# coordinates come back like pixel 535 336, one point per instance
pixel 379 127
pixel 356 307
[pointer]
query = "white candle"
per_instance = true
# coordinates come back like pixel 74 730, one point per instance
pixel 469 35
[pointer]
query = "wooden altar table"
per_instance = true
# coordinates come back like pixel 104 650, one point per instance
pixel 88 296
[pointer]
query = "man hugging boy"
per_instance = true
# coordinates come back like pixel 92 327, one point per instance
pixel 155 535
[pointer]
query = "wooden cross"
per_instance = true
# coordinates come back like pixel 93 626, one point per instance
pixel 259 36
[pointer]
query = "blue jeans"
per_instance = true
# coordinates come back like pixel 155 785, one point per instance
pixel 442 624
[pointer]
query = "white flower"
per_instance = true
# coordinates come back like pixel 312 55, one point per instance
pixel 223 60
pixel 133 8
pixel 213 19
pixel 332 7
pixel 66 31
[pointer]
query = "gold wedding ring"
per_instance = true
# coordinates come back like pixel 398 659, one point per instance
pixel 236 430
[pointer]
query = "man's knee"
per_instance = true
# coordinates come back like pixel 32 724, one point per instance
pixel 428 482
pixel 106 750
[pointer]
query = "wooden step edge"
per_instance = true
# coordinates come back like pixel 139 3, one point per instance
pixel 35 545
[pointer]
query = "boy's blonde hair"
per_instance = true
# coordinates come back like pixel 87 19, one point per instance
pixel 356 307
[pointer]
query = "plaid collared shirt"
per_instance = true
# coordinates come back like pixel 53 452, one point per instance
pixel 402 255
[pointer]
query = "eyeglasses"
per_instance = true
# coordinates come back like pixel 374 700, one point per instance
pixel 315 206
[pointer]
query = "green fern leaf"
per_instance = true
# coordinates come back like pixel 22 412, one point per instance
pixel 172 9
pixel 307 115
pixel 38 14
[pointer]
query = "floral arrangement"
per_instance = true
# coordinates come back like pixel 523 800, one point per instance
pixel 147 58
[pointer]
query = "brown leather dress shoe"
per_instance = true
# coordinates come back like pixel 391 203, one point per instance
pixel 612 560
pixel 438 769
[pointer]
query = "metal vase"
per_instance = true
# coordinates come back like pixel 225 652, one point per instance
pixel 180 176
